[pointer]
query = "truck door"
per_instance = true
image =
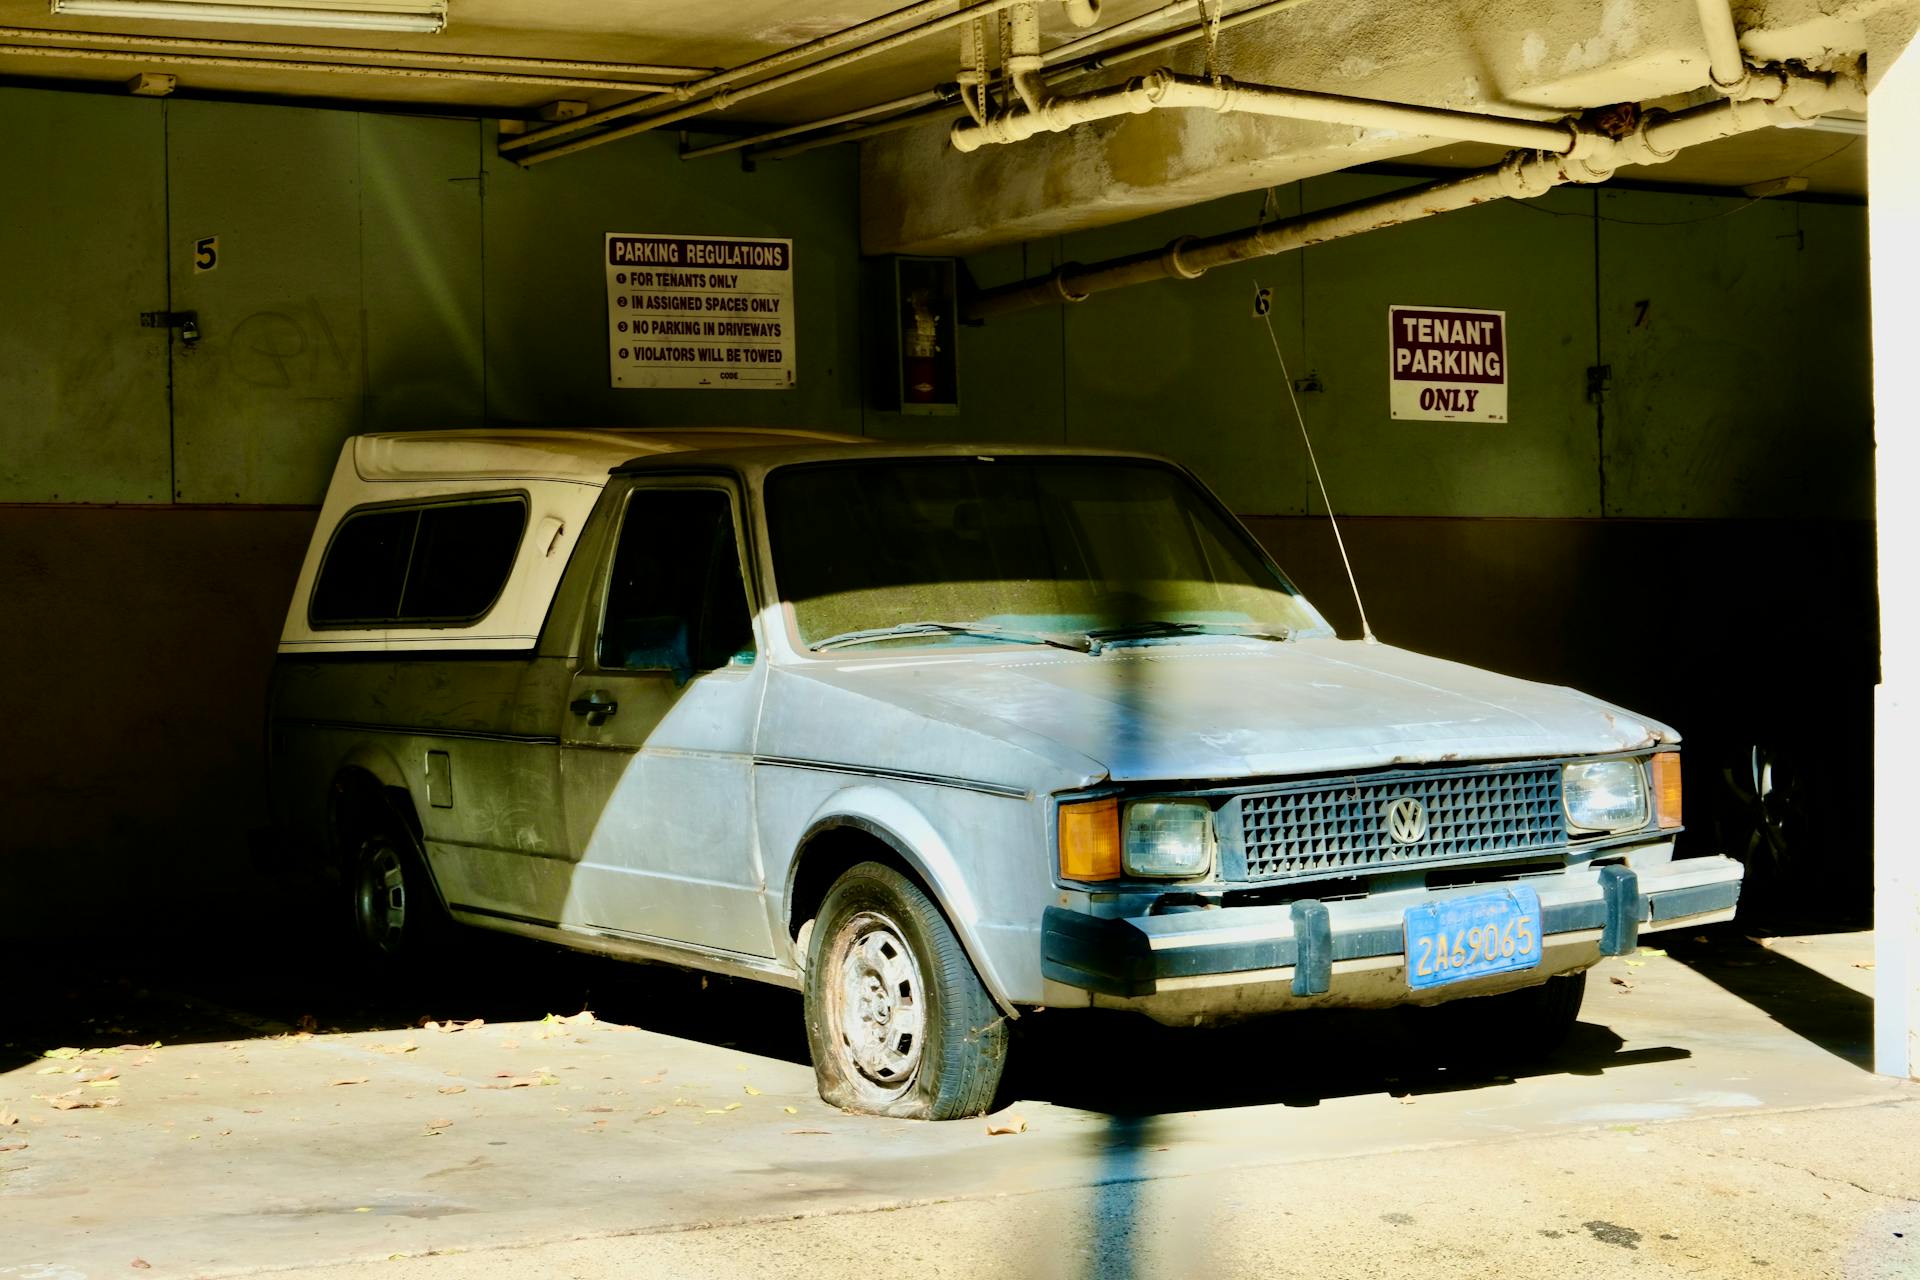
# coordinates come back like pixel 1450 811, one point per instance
pixel 656 750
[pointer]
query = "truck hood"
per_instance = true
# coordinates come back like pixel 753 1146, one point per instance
pixel 1205 709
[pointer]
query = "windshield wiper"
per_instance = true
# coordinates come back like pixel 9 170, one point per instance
pixel 947 629
pixel 1157 628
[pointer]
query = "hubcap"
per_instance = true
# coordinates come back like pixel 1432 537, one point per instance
pixel 882 1002
pixel 380 898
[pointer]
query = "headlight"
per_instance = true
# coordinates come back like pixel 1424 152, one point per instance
pixel 1168 838
pixel 1605 795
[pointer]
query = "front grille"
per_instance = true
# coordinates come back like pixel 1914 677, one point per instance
pixel 1334 826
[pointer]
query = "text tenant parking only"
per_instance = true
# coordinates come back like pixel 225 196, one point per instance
pixel 700 311
pixel 1447 364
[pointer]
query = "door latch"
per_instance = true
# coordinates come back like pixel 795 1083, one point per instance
pixel 596 706
pixel 187 322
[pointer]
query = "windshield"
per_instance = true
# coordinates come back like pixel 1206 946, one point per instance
pixel 950 551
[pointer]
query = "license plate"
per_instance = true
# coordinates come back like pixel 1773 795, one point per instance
pixel 1463 938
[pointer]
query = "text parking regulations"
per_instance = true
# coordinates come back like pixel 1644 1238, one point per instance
pixel 1447 364
pixel 700 311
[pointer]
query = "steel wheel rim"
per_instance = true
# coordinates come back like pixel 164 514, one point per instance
pixel 882 1005
pixel 380 898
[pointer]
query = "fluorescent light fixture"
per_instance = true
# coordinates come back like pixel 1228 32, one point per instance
pixel 363 15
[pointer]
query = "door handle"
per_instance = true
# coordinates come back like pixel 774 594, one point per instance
pixel 596 706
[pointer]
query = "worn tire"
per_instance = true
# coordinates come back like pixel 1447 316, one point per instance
pixel 394 914
pixel 898 1021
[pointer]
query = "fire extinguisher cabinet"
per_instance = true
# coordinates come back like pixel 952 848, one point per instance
pixel 916 310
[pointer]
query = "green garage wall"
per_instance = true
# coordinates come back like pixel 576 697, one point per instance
pixel 386 272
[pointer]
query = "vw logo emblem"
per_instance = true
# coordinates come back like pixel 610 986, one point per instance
pixel 1407 820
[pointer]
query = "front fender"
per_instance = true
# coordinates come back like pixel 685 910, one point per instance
pixel 898 823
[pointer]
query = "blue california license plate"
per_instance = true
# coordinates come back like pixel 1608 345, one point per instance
pixel 1464 938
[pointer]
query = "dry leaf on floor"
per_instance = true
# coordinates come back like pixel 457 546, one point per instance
pixel 584 1018
pixel 751 1090
pixel 12 1146
pixel 349 1080
pixel 1863 964
pixel 452 1025
pixel 508 1080
pixel 656 1111
pixel 403 1046
pixel 140 1264
pixel 1006 1125
pixel 1637 964
pixel 655 1078
pixel 438 1124
pixel 592 1110
pixel 72 1101
pixel 797 1132
pixel 792 1111
pixel 732 1106
pixel 61 1053
pixel 453 1088
pixel 7 1117
pixel 1651 951
pixel 102 1076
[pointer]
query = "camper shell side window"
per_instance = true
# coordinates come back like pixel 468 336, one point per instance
pixel 418 564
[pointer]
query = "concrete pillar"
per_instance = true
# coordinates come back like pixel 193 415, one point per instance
pixel 1894 228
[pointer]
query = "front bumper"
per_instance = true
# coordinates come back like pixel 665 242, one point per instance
pixel 1351 951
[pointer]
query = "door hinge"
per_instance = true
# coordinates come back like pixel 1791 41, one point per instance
pixel 187 322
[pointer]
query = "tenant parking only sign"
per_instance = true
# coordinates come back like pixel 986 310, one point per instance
pixel 700 311
pixel 1447 364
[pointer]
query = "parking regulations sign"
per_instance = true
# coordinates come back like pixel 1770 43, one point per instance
pixel 700 311
pixel 1447 364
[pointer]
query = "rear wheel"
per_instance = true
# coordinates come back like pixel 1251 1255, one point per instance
pixel 394 911
pixel 898 1021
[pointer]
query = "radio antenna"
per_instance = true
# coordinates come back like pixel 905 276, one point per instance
pixel 1263 307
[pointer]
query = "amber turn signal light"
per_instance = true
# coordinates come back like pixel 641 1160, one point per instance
pixel 1666 789
pixel 1090 840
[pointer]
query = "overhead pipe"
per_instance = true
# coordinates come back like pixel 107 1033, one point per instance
pixel 1155 44
pixel 1093 39
pixel 1726 65
pixel 1163 89
pixel 321 68
pixel 897 123
pixel 596 73
pixel 936 96
pixel 709 93
pixel 1522 175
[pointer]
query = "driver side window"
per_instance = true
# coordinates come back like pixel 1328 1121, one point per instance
pixel 676 601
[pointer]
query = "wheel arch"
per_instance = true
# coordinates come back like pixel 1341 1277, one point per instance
pixel 868 824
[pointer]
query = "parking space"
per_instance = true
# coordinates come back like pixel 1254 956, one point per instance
pixel 228 1122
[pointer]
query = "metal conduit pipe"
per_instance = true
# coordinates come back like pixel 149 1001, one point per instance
pixel 341 54
pixel 1061 52
pixel 322 68
pixel 1160 89
pixel 1726 65
pixel 1154 44
pixel 894 125
pixel 1523 175
pixel 935 96
pixel 930 17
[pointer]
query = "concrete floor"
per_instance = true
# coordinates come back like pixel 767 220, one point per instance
pixel 1710 1117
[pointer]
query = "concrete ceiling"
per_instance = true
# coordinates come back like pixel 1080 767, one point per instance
pixel 1535 58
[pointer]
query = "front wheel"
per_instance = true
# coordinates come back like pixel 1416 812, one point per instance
pixel 898 1021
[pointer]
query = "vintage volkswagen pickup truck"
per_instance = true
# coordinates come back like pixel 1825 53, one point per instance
pixel 938 735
